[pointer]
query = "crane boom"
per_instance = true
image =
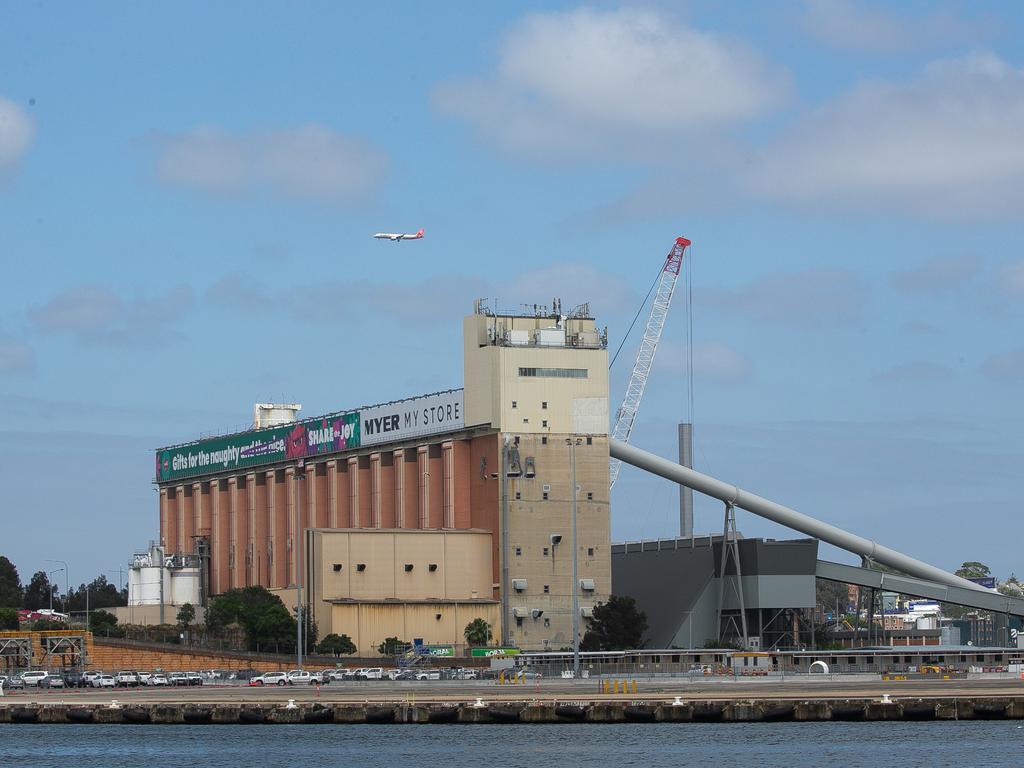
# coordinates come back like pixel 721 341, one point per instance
pixel 626 413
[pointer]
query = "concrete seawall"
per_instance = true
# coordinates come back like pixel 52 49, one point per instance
pixel 574 711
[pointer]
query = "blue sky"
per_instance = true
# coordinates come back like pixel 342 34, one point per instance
pixel 187 194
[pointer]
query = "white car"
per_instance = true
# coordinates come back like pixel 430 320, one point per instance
pixel 104 681
pixel 144 677
pixel 158 679
pixel 34 677
pixel 299 677
pixel 271 678
pixel 89 677
pixel 373 673
pixel 432 674
pixel 126 679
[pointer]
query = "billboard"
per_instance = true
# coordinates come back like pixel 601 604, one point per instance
pixel 494 652
pixel 988 582
pixel 400 420
pixel 309 437
pixel 415 417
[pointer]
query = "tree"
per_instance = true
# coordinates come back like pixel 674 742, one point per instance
pixel 101 594
pixel 478 632
pixel 1011 587
pixel 8 618
pixel 392 646
pixel 336 645
pixel 972 569
pixel 103 622
pixel 11 592
pixel 261 614
pixel 616 625
pixel 39 592
pixel 186 614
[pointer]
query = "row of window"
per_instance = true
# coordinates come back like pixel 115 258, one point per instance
pixel 544 438
pixel 336 567
pixel 544 495
pixel 519 552
pixel 555 373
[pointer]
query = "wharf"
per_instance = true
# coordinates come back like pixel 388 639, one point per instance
pixel 649 710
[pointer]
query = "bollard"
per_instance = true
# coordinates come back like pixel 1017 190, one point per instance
pixel 634 687
pixel 501 677
pixel 606 685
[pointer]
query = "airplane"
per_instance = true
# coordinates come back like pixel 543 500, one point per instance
pixel 397 237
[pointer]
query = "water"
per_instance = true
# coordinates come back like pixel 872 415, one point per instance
pixel 793 745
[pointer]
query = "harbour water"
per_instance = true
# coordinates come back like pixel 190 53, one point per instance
pixel 794 745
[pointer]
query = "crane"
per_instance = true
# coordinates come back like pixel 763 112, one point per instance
pixel 626 414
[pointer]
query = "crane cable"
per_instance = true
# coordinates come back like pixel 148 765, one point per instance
pixel 635 318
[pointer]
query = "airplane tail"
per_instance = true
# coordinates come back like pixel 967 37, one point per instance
pixel 420 233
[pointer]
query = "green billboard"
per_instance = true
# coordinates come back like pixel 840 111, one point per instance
pixel 310 437
pixel 487 652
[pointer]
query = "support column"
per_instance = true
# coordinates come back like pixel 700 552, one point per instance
pixel 353 492
pixel 292 546
pixel 375 490
pixel 163 517
pixel 232 532
pixel 332 494
pixel 250 544
pixel 197 513
pixel 398 457
pixel 186 518
pixel 423 473
pixel 270 553
pixel 215 539
pixel 174 545
pixel 310 487
pixel 448 498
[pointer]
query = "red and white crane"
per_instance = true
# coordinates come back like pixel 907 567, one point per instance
pixel 626 414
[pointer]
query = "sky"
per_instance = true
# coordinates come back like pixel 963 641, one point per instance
pixel 187 194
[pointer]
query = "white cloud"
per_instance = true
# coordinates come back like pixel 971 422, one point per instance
pixel 15 357
pixel 937 274
pixel 946 143
pixel 309 162
pixel 806 299
pixel 16 132
pixel 587 80
pixel 97 314
pixel 857 27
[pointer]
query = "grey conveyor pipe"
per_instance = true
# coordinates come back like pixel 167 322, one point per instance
pixel 783 515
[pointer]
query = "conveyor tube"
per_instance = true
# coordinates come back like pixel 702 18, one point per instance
pixel 783 515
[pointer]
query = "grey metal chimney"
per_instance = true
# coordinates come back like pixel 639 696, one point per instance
pixel 685 494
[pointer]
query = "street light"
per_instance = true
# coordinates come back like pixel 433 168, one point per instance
pixel 299 475
pixel 50 587
pixel 572 443
pixel 67 589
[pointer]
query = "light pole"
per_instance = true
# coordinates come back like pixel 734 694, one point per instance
pixel 50 586
pixel 67 589
pixel 299 475
pixel 573 442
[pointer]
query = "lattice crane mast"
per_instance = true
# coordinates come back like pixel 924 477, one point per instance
pixel 626 414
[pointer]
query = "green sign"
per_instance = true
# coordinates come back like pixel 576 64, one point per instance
pixel 487 652
pixel 439 650
pixel 311 437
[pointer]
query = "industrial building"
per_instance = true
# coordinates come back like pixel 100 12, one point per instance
pixel 412 518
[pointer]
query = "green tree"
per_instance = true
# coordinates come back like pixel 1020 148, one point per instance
pixel 39 592
pixel 478 632
pixel 972 569
pixel 8 618
pixel 11 592
pixel 1011 587
pixel 101 594
pixel 186 615
pixel 392 646
pixel 337 645
pixel 261 614
pixel 103 623
pixel 616 625
pixel 274 625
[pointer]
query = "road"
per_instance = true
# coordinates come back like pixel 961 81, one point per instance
pixel 387 692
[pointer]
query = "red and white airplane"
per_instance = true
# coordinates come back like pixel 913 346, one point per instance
pixel 396 237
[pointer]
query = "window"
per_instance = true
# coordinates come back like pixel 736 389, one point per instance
pixel 852 660
pixel 544 405
pixel 517 439
pixel 544 423
pixel 337 567
pixel 545 551
pixel 554 373
pixel 519 621
pixel 547 622
pixel 545 495
pixel 547 589
pixel 544 440
pixel 590 441
pixel 590 551
pixel 526 421
pixel 519 551
pixel 590 496
pixel 514 404
pixel 518 495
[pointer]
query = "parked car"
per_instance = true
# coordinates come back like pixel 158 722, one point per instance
pixel 52 681
pixel 104 681
pixel 125 679
pixel 12 683
pixel 245 674
pixel 144 677
pixel 276 678
pixel 157 679
pixel 299 677
pixel 428 674
pixel 74 679
pixel 34 677
pixel 178 678
pixel 89 677
pixel 194 678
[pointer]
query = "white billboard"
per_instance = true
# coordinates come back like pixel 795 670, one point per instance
pixel 415 417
